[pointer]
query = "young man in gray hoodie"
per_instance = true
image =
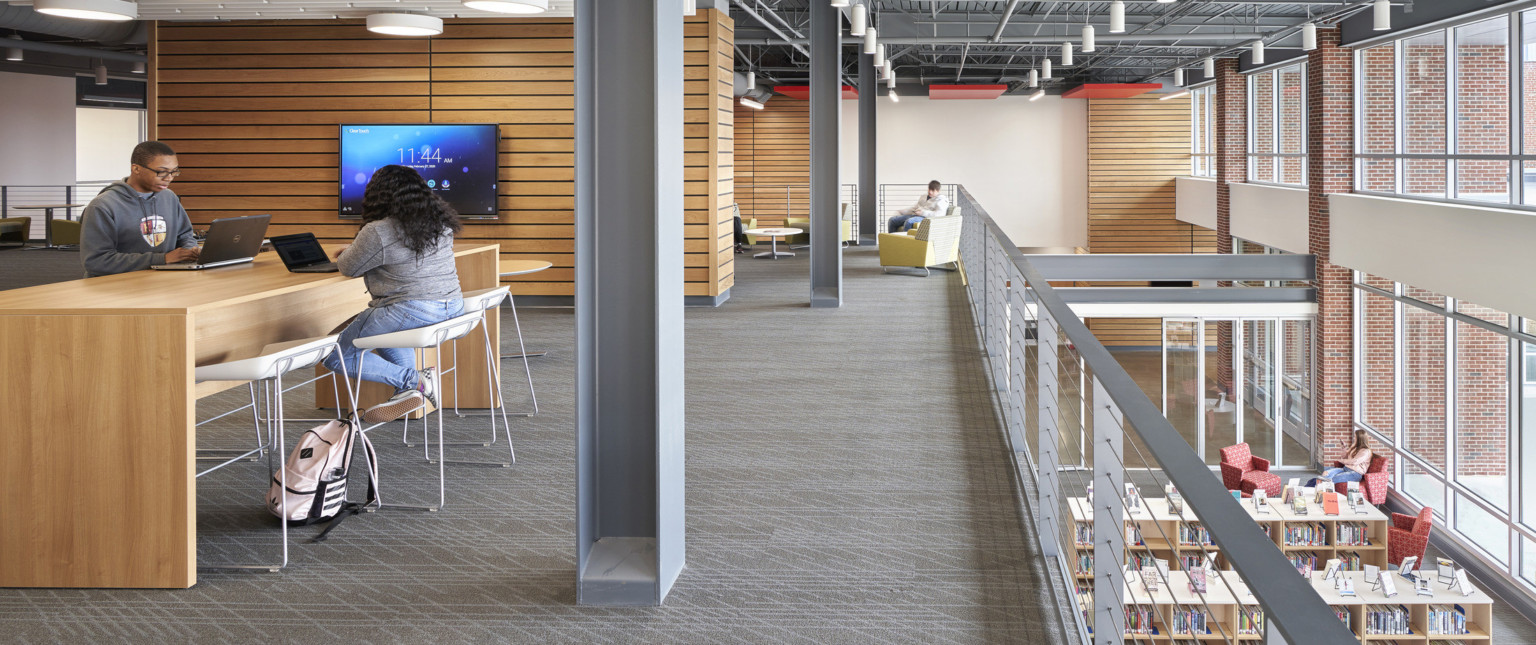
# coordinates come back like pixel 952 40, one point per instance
pixel 138 222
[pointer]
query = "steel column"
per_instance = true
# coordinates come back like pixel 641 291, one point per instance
pixel 629 300
pixel 869 202
pixel 826 115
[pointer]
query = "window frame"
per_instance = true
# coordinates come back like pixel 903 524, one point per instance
pixel 1202 144
pixel 1272 75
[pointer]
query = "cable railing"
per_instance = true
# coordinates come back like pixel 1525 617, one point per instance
pixel 12 197
pixel 1075 419
pixel 774 204
pixel 894 197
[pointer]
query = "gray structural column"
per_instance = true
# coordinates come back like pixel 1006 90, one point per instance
pixel 826 116
pixel 869 200
pixel 1108 519
pixel 629 300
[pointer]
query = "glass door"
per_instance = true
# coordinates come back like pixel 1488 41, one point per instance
pixel 1181 379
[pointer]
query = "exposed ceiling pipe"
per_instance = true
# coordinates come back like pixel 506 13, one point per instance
pixel 1003 22
pixel 74 50
pixel 20 18
pixel 1023 40
pixel 797 42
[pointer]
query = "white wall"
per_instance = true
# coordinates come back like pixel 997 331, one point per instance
pixel 104 141
pixel 1026 162
pixel 37 129
pixel 1194 200
pixel 1274 216
pixel 1482 255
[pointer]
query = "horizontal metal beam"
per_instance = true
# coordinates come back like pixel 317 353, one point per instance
pixel 74 50
pixel 1175 266
pixel 1184 295
pixel 1234 38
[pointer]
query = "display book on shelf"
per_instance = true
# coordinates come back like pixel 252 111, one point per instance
pixel 1357 535
pixel 1179 609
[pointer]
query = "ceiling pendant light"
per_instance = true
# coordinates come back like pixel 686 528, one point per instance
pixel 1166 1
pixel 1089 45
pixel 533 6
pixel 1309 37
pixel 869 40
pixel 1178 77
pixel 1175 95
pixel 880 55
pixel 751 81
pixel 1257 58
pixel 1034 78
pixel 690 7
pixel 1045 69
pixel 139 68
pixel 13 53
pixel 101 74
pixel 1383 12
pixel 1117 17
pixel 1039 94
pixel 839 3
pixel 859 20
pixel 751 103
pixel 894 97
pixel 890 81
pixel 114 10
pixel 404 24
pixel 1066 54
pixel 1210 68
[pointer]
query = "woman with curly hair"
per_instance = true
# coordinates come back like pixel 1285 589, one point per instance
pixel 404 253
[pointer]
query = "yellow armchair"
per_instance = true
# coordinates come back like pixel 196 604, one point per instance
pixel 935 242
pixel 66 232
pixel 15 229
pixel 845 228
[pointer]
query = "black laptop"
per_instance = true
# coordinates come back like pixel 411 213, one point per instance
pixel 301 253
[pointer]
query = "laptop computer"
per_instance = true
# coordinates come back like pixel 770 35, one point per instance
pixel 301 253
pixel 231 240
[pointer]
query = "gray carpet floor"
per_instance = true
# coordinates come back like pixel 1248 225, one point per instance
pixel 847 483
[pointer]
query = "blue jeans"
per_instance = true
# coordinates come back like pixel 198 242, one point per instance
pixel 903 222
pixel 1337 476
pixel 393 367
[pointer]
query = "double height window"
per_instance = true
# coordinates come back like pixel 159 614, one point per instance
pixel 1277 126
pixel 1202 131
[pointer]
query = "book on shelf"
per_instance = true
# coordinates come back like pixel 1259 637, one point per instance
pixel 1138 620
pixel 1389 620
pixel 1250 620
pixel 1187 621
pixel 1261 500
pixel 1446 570
pixel 1083 533
pixel 1085 562
pixel 1331 569
pixel 1372 572
pixel 1342 613
pixel 1388 587
pixel 1317 495
pixel 1132 498
pixel 1288 495
pixel 1149 579
pixel 1349 560
pixel 1406 568
pixel 1197 580
pixel 1421 586
pixel 1353 534
pixel 1293 483
pixel 1176 503
pixel 1462 583
pixel 1133 535
pixel 1090 495
pixel 1162 566
pixel 1447 619
pixel 1191 534
pixel 1304 561
pixel 1306 534
pixel 1346 586
pixel 1330 503
pixel 1299 505
pixel 1237 495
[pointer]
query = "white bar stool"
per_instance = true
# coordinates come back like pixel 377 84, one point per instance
pixel 269 368
pixel 484 300
pixel 511 268
pixel 429 337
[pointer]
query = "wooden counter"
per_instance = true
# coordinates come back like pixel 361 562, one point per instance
pixel 98 406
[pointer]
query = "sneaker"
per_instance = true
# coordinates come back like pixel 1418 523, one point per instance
pixel 402 403
pixel 424 384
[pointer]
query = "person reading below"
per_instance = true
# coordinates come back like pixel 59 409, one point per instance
pixel 138 222
pixel 404 253
pixel 932 204
pixel 1355 461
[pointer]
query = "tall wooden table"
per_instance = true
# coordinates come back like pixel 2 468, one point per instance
pixel 98 410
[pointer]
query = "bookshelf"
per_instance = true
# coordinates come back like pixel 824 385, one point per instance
pixel 1476 608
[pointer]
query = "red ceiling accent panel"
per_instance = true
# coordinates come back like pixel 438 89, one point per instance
pixel 1109 90
pixel 952 92
pixel 803 92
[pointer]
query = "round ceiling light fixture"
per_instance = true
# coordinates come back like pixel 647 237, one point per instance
pixel 509 6
pixel 113 10
pixel 404 24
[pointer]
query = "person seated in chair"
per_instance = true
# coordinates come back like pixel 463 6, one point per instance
pixel 934 204
pixel 1355 461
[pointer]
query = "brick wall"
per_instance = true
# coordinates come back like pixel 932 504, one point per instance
pixel 1330 143
pixel 1377 357
pixel 1231 139
pixel 1482 395
pixel 1378 121
pixel 1424 382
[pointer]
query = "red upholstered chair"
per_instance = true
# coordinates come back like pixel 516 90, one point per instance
pixel 1240 470
pixel 1374 486
pixel 1408 536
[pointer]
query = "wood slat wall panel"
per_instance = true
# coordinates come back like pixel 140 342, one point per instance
pixel 1136 147
pixel 264 140
pixel 773 149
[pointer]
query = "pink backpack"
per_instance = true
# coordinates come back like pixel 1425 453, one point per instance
pixel 317 474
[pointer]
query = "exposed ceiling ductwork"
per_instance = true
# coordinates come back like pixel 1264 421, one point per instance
pixel 112 34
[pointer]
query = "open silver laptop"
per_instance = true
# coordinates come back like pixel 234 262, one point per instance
pixel 231 240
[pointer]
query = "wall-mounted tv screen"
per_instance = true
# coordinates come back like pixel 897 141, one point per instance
pixel 457 160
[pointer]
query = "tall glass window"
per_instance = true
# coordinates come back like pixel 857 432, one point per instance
pixel 1277 126
pixel 1202 131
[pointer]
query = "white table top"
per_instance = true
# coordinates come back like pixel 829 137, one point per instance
pixel 775 232
pixel 1157 510
pixel 39 207
pixel 1364 595
pixel 522 267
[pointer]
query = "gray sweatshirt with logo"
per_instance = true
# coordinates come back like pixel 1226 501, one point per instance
pixel 393 273
pixel 124 230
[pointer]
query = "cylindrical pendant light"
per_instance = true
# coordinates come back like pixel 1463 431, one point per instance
pixel 1117 17
pixel 890 81
pixel 839 3
pixel 1034 78
pixel 880 55
pixel 1039 94
pixel 1258 53
pixel 1066 54
pixel 404 24
pixel 690 7
pixel 139 68
pixel 1309 37
pixel 859 20
pixel 13 53
pixel 1178 77
pixel 526 7
pixel 894 97
pixel 1045 69
pixel 1383 11
pixel 1210 68
pixel 751 81
pixel 101 74
pixel 869 40
pixel 1089 45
